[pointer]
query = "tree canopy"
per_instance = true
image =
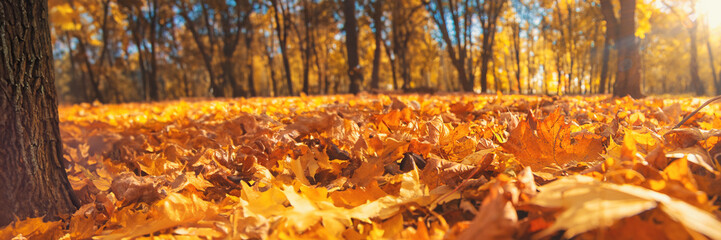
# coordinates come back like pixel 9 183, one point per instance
pixel 133 50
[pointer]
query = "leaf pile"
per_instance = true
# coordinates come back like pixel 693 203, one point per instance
pixel 376 166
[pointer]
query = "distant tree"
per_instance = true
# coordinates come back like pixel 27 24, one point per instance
pixel 610 35
pixel 375 10
pixel 33 181
pixel 351 35
pixel 454 20
pixel 709 50
pixel 690 22
pixel 147 25
pixel 219 25
pixel 282 16
pixel 488 13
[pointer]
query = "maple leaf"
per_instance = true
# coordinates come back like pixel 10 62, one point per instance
pixel 552 142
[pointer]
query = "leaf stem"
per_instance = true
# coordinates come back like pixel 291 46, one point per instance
pixel 696 111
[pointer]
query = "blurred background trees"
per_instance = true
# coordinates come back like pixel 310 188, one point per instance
pixel 147 50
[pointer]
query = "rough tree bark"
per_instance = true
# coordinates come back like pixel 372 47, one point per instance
pixel 33 181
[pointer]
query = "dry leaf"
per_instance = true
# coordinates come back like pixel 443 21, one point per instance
pixel 589 204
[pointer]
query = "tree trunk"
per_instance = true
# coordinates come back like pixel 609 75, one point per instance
pixel 271 68
pixel 604 63
pixel 308 44
pixel 693 64
pixel 485 58
pixel 286 66
pixel 281 29
pixel 517 54
pixel 628 76
pixel 716 81
pixel 559 74
pixel 249 61
pixel 405 67
pixel 153 71
pixel 488 17
pixel 91 72
pixel 377 28
pixel 351 35
pixel 320 71
pixel 33 181
pixel 205 51
pixel 392 59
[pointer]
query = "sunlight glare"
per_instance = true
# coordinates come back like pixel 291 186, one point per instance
pixel 710 9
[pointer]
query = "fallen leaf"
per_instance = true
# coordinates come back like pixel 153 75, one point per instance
pixel 589 204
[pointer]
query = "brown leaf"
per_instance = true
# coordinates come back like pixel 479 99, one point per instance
pixel 496 218
pixel 130 188
pixel 439 171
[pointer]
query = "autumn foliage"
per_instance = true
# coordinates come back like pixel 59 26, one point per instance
pixel 375 166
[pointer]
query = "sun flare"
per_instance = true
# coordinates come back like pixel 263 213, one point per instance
pixel 710 10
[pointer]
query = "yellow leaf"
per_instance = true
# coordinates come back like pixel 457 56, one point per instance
pixel 590 204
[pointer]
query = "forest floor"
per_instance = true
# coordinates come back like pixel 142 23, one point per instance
pixel 399 166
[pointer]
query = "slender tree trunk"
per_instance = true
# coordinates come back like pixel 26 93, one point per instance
pixel 604 63
pixel 271 68
pixel 251 69
pixel 320 71
pixel 33 181
pixel 73 68
pixel 306 61
pixel 485 59
pixel 94 82
pixel 377 28
pixel 351 34
pixel 530 63
pixel 250 32
pixel 496 81
pixel 205 51
pixel 405 68
pixel 559 74
pixel 571 46
pixel 153 71
pixel 286 66
pixel 517 54
pixel 488 18
pixel 392 59
pixel 711 62
pixel 281 29
pixel 696 83
pixel 508 74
